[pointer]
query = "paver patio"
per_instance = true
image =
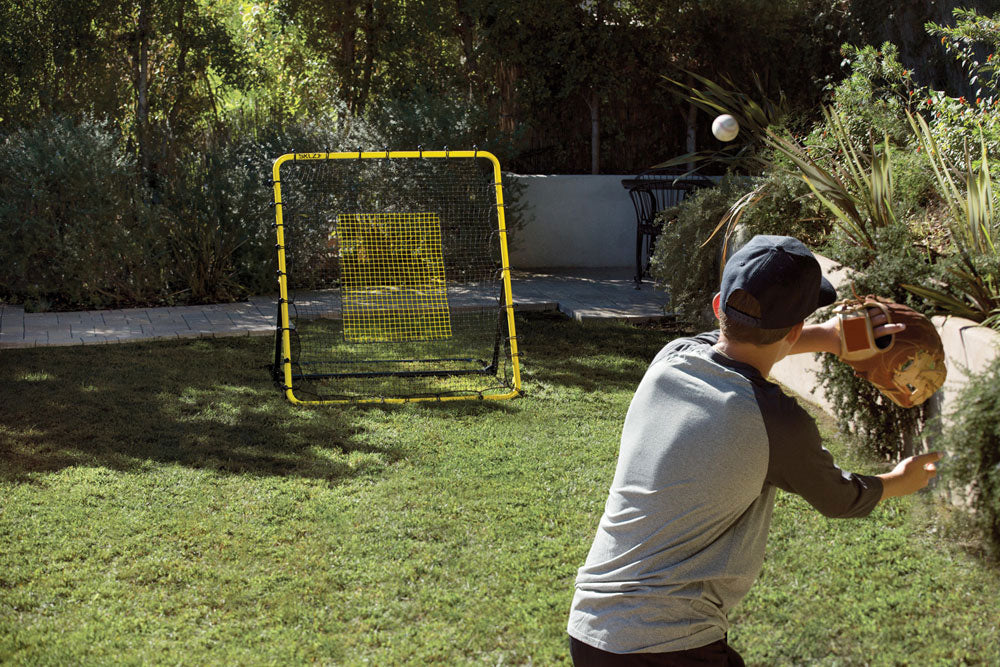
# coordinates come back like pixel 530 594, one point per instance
pixel 579 293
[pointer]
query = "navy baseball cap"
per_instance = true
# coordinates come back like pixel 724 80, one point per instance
pixel 783 275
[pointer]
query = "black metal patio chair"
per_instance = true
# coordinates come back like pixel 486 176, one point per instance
pixel 652 191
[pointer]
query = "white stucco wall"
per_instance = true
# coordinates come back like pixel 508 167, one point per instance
pixel 574 221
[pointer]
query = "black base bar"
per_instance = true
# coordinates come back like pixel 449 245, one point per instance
pixel 483 369
pixel 487 370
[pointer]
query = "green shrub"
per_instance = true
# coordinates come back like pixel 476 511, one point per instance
pixel 787 209
pixel 973 444
pixel 898 257
pixel 876 425
pixel 83 233
pixel 955 121
pixel 215 205
pixel 80 231
pixel 915 186
pixel 876 95
pixel 688 270
pixel 75 228
pixel 216 210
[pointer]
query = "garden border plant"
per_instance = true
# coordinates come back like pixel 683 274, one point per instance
pixel 972 438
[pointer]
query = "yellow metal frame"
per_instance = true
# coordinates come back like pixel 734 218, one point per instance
pixel 286 344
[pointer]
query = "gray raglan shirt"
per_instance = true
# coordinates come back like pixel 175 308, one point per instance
pixel 705 444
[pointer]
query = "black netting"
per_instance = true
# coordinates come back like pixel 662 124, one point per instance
pixel 395 278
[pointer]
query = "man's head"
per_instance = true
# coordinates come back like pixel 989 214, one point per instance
pixel 768 287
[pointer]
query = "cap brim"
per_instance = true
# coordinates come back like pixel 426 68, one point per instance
pixel 827 293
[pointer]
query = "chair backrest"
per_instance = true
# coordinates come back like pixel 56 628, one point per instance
pixel 654 190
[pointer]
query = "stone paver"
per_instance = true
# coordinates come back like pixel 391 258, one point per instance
pixel 582 294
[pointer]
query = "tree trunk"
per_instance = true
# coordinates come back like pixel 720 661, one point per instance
pixel 691 143
pixel 506 78
pixel 177 108
pixel 466 29
pixel 142 92
pixel 371 28
pixel 595 133
pixel 347 67
pixel 595 99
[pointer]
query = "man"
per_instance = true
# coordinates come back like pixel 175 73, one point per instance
pixel 706 443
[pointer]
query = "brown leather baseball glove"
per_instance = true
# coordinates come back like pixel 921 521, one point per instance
pixel 907 367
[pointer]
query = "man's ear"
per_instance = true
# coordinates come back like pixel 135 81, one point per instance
pixel 792 336
pixel 715 304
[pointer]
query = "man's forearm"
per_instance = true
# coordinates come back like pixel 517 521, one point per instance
pixel 824 337
pixel 817 338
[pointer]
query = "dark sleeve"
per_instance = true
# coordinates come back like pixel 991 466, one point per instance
pixel 798 462
pixel 707 339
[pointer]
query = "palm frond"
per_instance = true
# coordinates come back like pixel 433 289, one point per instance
pixel 946 303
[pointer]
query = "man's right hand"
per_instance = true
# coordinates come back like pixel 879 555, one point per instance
pixel 910 475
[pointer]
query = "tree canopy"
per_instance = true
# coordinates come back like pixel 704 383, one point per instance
pixel 563 86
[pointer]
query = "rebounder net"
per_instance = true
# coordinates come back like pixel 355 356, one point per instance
pixel 394 279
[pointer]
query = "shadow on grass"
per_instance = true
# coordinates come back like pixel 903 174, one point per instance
pixel 594 356
pixel 210 403
pixel 202 404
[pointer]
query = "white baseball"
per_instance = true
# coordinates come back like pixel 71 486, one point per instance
pixel 725 127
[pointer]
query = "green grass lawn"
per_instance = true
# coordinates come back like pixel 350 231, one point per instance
pixel 161 503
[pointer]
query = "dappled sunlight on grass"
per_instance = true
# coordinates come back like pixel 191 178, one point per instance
pixel 35 377
pixel 14 434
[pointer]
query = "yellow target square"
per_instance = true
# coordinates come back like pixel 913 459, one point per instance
pixel 393 283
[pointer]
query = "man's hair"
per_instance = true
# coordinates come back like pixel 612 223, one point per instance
pixel 746 303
